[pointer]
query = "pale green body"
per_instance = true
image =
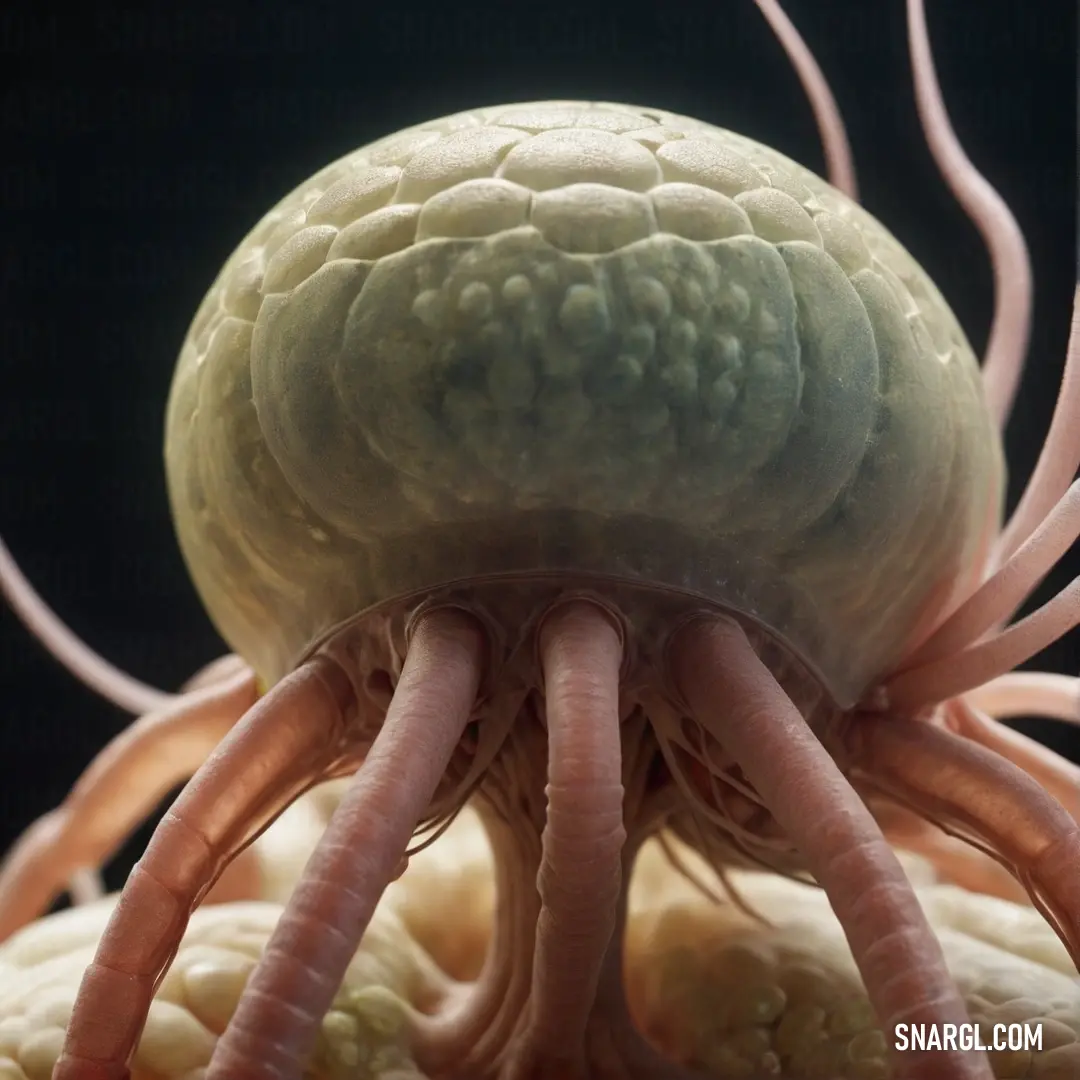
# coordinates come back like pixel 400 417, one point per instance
pixel 579 338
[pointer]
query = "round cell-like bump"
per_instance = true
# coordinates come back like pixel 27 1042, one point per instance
pixel 474 208
pixel 554 159
pixel 555 115
pixel 517 289
pixel 285 229
pixel 650 298
pixel 923 341
pixel 883 268
pixel 698 213
pixel 40 1051
pixel 726 352
pixel 782 180
pixel 583 314
pixel 734 304
pixel 777 217
pixel 212 986
pixel 173 1041
pixel 305 382
pixel 242 292
pixel 399 150
pixel 592 218
pixel 354 195
pixel 464 155
pixel 298 258
pixel 654 137
pixel 843 242
pixel 709 164
pixel 839 393
pixel 380 233
pixel 624 377
pixel 429 308
pixel 475 301
pixel 678 338
pixel 609 118
pixel 534 119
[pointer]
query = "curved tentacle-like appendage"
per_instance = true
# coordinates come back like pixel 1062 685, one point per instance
pixel 161 714
pixel 117 686
pixel 979 795
pixel 954 860
pixel 734 696
pixel 1060 456
pixel 580 879
pixel 834 139
pixel 121 786
pixel 1029 693
pixel 1060 777
pixel 950 676
pixel 998 598
pixel 471 1031
pixel 1007 348
pixel 364 848
pixel 289 740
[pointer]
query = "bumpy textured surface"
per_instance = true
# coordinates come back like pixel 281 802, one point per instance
pixel 715 989
pixel 571 337
pixel 362 1036
pixel 737 998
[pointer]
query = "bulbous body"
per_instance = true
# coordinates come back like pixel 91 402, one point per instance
pixel 613 474
pixel 589 342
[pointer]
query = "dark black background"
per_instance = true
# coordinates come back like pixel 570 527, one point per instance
pixel 137 149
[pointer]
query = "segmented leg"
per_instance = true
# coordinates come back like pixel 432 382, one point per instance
pixel 120 787
pixel 735 698
pixel 978 793
pixel 580 877
pixel 616 1048
pixel 469 1035
pixel 290 739
pixel 275 1026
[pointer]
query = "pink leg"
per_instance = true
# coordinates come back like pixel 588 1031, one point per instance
pixel 617 1047
pixel 122 785
pixel 580 877
pixel 291 737
pixel 470 1033
pixel 955 861
pixel 734 696
pixel 975 791
pixel 275 1026
pixel 1059 776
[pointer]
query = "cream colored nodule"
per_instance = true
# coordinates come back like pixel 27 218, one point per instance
pixel 579 338
pixel 715 989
